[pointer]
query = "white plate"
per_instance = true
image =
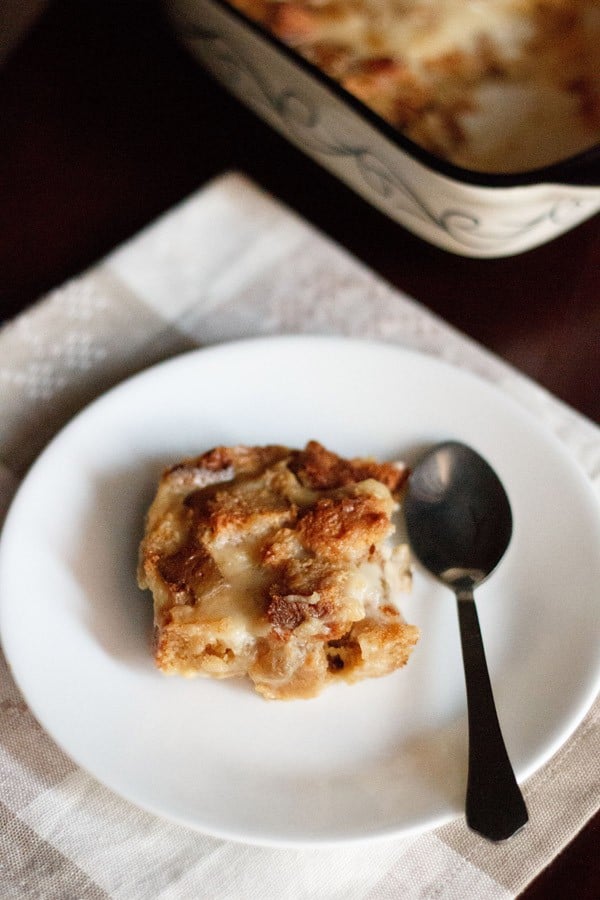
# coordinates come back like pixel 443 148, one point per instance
pixel 380 758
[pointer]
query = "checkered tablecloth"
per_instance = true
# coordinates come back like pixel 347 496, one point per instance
pixel 231 262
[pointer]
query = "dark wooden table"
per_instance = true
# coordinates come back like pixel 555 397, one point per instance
pixel 105 123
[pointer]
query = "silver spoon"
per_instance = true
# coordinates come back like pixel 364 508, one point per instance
pixel 459 525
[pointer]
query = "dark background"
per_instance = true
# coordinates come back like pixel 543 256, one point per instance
pixel 105 123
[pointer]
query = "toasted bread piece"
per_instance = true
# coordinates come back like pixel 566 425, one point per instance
pixel 277 564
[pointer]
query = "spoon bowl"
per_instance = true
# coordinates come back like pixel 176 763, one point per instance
pixel 458 514
pixel 459 525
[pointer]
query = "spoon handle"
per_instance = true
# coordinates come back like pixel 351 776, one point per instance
pixel 494 807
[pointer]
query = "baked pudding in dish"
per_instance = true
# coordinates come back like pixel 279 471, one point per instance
pixel 498 86
pixel 279 565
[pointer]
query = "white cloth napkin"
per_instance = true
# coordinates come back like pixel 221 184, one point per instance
pixel 232 262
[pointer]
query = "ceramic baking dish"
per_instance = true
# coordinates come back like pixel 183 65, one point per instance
pixel 466 212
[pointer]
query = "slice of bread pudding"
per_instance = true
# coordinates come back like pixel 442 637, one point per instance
pixel 280 565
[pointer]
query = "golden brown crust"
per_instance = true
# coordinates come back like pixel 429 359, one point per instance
pixel 317 467
pixel 262 560
pixel 343 525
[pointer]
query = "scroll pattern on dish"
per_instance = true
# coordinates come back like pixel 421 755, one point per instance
pixel 300 119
